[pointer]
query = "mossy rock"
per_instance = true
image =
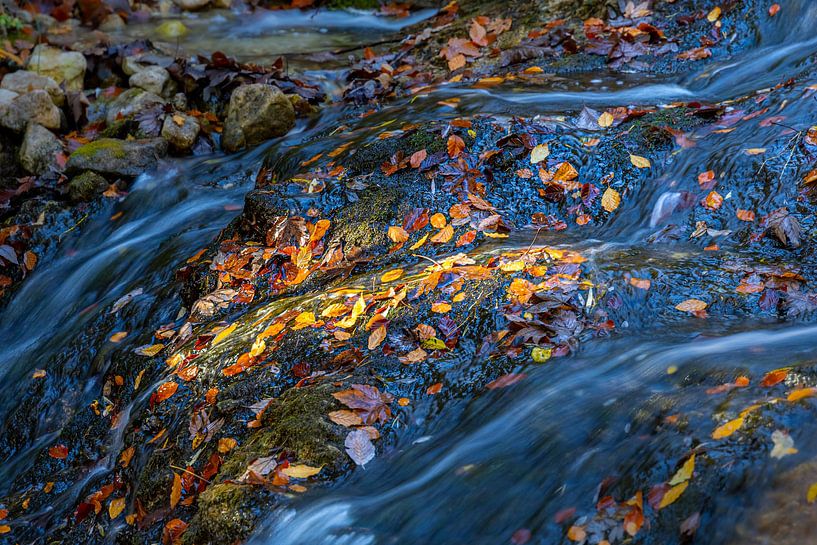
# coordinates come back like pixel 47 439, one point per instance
pixel 86 186
pixel 113 157
pixel 227 513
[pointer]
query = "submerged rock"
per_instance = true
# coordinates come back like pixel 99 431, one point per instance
pixel 180 130
pixel 109 156
pixel 35 107
pixel 256 113
pixel 191 5
pixel 131 102
pixel 23 81
pixel 39 150
pixel 65 67
pixel 86 186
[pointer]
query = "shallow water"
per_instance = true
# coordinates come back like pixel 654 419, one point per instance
pixel 463 471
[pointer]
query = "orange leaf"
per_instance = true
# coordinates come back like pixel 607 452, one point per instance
pixel 455 146
pixel 774 377
pixel 801 393
pixel 691 305
pixel 165 391
pixel 60 452
pixel 727 429
pixel 175 490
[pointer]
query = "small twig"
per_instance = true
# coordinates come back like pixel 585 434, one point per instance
pixel 190 473
pixel 428 259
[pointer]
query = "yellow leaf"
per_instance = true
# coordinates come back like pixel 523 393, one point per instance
pixel 301 471
pixel 539 153
pixel 512 266
pixel 391 275
pixel 714 15
pixel 811 495
pixel 605 120
pixel 440 307
pixel 540 355
pixel 397 234
pixel 728 429
pixel 610 199
pixel 801 393
pixel 223 334
pixel 433 343
pixel 640 162
pixel 334 310
pixel 176 490
pixel 691 305
pixel 178 120
pixel 304 319
pixel 576 533
pixel 419 242
pixel 5 528
pixel 118 336
pixel 755 151
pixel 673 494
pixel 685 473
pixel 116 507
pixel 151 350
pixel 226 444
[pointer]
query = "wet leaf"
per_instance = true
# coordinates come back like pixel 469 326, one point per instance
pixel 539 153
pixel 605 120
pixel 773 378
pixel 438 221
pixel 506 380
pixel 149 350
pixel 301 471
pixel 60 452
pixel 540 354
pixel 576 533
pixel 714 15
pixel 392 275
pixel 691 305
pixel 172 532
pixel 126 456
pixel 119 336
pixel 673 494
pixel 226 444
pixel 223 334
pixel 811 495
pixel 727 429
pixel 640 162
pixel 455 146
pixel 610 199
pixel 684 473
pixel 165 391
pixel 359 447
pixel 783 444
pixel 345 418
pixel 376 337
pixel 175 490
pixel 801 393
pixel 116 507
pixel 370 403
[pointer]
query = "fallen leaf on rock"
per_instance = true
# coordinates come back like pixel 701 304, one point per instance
pixel 118 336
pixel 775 377
pixel 673 494
pixel 811 495
pixel 301 471
pixel 506 380
pixel 605 120
pixel 60 452
pixel 783 444
pixel 345 418
pixel 391 275
pixel 359 447
pixel 539 153
pixel 691 305
pixel 610 199
pixel 684 473
pixel 175 490
pixel 165 391
pixel 801 393
pixel 640 162
pixel 116 507
pixel 728 428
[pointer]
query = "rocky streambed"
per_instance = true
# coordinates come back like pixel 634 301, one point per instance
pixel 527 272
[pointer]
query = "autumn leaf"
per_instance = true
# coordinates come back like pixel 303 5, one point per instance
pixel 605 120
pixel 713 200
pixel 672 495
pixel 376 337
pixel 714 15
pixel 175 490
pixel 126 456
pixel 223 334
pixel 392 275
pixel 455 146
pixel 640 283
pixel 506 380
pixel 728 429
pixel 359 447
pixel 397 234
pixel 226 444
pixel 691 305
pixel 165 391
pixel 539 153
pixel 576 533
pixel 811 495
pixel 540 354
pixel 60 452
pixel 745 215
pixel 801 393
pixel 119 336
pixel 345 418
pixel 640 162
pixel 301 471
pixel 684 473
pixel 417 158
pixel 370 403
pixel 116 507
pixel 610 199
pixel 444 235
pixel 773 378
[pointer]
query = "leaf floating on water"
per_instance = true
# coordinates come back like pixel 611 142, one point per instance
pixel 640 162
pixel 223 334
pixel 775 377
pixel 506 380
pixel 391 275
pixel 165 391
pixel 126 456
pixel 576 533
pixel 685 472
pixel 673 494
pixel 783 444
pixel 119 336
pixel 149 350
pixel 359 447
pixel 728 429
pixel 801 393
pixel 610 199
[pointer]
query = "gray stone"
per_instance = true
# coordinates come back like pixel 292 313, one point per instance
pixel 131 102
pixel 35 106
pixel 86 186
pixel 180 131
pixel 132 65
pixel 65 67
pixel 23 81
pixel 112 23
pixel 113 157
pixel 191 5
pixel 256 113
pixel 39 150
pixel 153 79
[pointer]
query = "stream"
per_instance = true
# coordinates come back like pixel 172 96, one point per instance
pixel 470 470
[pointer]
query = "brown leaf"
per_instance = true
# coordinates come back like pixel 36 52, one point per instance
pixel 370 403
pixel 455 146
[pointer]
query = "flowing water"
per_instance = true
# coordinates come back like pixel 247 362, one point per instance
pixel 470 470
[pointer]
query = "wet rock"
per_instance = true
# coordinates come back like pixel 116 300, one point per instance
pixel 179 101
pixel 301 105
pixel 112 23
pixel 180 130
pixel 39 150
pixel 112 157
pixel 23 81
pixel 153 79
pixel 132 65
pixel 65 67
pixel 191 5
pixel 256 113
pixel 35 107
pixel 130 103
pixel 86 186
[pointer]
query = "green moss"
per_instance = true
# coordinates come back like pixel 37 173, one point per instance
pixel 365 223
pixel 225 514
pixel 86 186
pixel 103 145
pixel 155 480
pixel 295 422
